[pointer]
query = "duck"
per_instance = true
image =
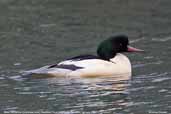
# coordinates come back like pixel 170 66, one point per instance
pixel 109 61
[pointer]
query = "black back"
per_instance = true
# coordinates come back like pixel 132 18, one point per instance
pixel 83 57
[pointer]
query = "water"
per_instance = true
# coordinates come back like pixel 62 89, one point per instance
pixel 35 33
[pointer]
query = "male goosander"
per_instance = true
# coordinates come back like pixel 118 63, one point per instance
pixel 108 62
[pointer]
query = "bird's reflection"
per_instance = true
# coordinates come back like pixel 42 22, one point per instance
pixel 109 92
pixel 117 83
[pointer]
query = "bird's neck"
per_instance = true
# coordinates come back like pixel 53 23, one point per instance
pixel 105 50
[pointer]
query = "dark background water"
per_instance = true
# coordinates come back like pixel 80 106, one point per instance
pixel 34 33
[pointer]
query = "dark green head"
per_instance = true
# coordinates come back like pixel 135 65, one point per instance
pixel 115 44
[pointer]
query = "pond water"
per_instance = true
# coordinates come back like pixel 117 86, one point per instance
pixel 34 33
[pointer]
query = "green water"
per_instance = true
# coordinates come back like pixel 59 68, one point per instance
pixel 34 33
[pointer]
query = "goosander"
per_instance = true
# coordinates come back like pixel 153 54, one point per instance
pixel 108 62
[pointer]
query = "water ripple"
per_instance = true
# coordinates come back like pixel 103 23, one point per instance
pixel 160 79
pixel 147 64
pixel 137 40
pixel 162 39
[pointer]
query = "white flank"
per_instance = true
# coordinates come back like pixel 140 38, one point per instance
pixel 118 65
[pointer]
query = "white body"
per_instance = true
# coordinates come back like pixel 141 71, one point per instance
pixel 119 65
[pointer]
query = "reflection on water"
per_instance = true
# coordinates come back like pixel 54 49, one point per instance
pixel 98 95
pixel 76 94
pixel 117 84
